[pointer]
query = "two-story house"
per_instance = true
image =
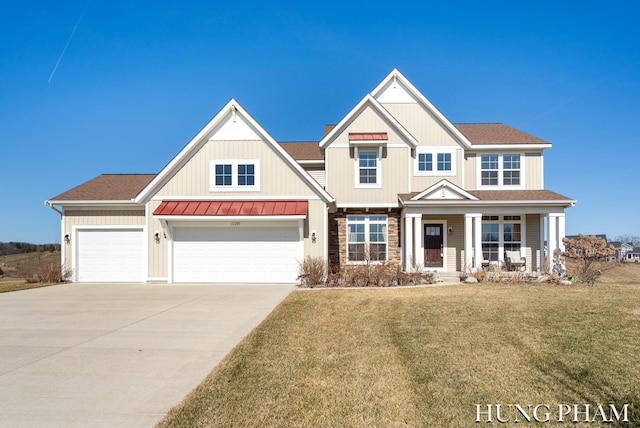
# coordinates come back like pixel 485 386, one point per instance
pixel 394 180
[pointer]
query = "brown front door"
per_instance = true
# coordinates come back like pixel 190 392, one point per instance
pixel 433 245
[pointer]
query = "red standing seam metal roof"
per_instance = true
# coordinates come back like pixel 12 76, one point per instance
pixel 232 208
pixel 367 136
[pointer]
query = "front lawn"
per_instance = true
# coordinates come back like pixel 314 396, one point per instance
pixel 425 357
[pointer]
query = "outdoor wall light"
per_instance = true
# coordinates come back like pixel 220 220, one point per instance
pixel 67 238
pixel 450 230
pixel 313 236
pixel 156 236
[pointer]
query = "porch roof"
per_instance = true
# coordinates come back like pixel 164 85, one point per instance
pixel 532 196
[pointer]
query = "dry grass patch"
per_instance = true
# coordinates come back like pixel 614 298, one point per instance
pixel 424 357
pixel 17 284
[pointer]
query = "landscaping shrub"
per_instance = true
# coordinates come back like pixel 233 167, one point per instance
pixel 312 271
pixel 51 273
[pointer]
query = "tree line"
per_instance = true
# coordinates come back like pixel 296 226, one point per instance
pixel 7 248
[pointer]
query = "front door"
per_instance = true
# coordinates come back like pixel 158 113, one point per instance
pixel 433 245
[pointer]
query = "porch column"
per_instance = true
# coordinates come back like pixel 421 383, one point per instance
pixel 417 241
pixel 408 243
pixel 543 257
pixel 477 238
pixel 468 242
pixel 561 231
pixel 552 238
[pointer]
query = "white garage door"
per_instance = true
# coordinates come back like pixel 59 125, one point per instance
pixel 110 255
pixel 250 254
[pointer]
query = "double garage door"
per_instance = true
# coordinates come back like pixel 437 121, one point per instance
pixel 268 254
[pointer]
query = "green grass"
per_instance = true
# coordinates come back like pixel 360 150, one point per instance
pixel 17 284
pixel 425 357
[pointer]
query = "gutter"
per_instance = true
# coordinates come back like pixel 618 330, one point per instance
pixel 53 207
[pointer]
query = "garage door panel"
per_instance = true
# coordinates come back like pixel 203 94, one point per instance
pixel 256 254
pixel 110 255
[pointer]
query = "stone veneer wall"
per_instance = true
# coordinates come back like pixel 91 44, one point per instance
pixel 338 235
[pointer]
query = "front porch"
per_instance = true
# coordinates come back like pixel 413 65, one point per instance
pixel 467 242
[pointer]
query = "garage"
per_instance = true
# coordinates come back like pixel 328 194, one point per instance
pixel 238 252
pixel 109 255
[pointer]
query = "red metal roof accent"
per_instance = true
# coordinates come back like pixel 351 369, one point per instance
pixel 367 136
pixel 232 208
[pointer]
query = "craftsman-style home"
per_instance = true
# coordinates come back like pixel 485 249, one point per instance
pixel 394 180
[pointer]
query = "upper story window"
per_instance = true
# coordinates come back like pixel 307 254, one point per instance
pixel 435 161
pixel 235 175
pixel 367 167
pixel 498 170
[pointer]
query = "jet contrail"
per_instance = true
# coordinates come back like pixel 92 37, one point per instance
pixel 66 46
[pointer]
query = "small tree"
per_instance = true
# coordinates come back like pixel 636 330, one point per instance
pixel 588 255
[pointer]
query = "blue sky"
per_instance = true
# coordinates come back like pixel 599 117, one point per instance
pixel 93 87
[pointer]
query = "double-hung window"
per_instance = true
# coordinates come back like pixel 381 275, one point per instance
pixel 367 167
pixel 435 161
pixel 366 238
pixel 501 170
pixel 235 175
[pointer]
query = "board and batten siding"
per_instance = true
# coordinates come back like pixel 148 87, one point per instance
pixel 98 217
pixel 276 177
pixel 421 123
pixel 341 164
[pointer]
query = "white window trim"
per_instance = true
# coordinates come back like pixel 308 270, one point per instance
pixel 366 238
pixel 234 175
pixel 435 151
pixel 501 184
pixel 356 164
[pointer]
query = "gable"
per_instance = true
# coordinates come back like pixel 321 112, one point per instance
pixel 416 113
pixel 393 92
pixel 364 117
pixel 232 137
pixel 443 190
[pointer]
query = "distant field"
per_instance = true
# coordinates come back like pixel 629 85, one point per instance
pixel 426 356
pixel 26 264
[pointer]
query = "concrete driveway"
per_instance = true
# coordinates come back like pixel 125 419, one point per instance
pixel 106 355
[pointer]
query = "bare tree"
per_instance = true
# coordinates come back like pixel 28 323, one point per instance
pixel 588 257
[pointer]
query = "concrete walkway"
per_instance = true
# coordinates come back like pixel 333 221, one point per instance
pixel 107 355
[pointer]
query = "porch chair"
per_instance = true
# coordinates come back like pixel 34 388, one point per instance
pixel 513 259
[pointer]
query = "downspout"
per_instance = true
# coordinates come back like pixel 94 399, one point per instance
pixel 62 241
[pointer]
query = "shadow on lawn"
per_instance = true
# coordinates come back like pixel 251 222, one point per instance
pixel 586 387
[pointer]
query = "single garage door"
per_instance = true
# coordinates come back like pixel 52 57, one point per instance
pixel 236 255
pixel 110 255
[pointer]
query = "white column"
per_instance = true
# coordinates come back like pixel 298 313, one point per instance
pixel 408 243
pixel 468 242
pixel 561 231
pixel 552 238
pixel 418 249
pixel 477 238
pixel 543 259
